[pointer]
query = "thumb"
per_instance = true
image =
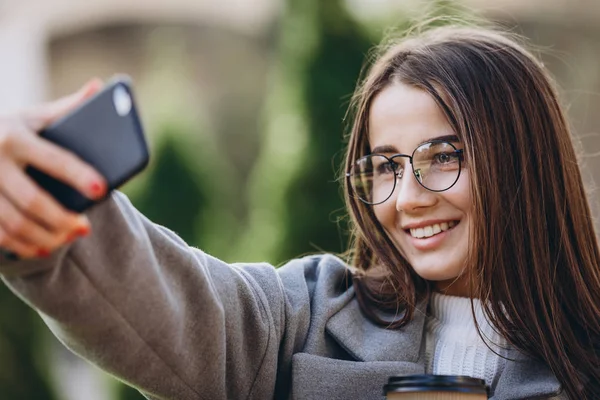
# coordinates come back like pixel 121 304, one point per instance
pixel 43 115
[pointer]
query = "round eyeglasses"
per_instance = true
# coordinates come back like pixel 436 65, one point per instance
pixel 435 165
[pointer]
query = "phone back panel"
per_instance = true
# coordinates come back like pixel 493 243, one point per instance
pixel 113 144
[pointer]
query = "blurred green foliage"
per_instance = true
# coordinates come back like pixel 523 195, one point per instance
pixel 295 200
pixel 313 201
pixel 23 361
pixel 172 197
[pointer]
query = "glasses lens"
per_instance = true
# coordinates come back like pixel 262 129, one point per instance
pixel 436 165
pixel 373 178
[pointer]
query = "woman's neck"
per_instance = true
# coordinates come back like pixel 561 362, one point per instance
pixel 454 287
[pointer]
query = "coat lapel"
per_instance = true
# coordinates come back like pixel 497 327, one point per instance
pixel 525 378
pixel 366 341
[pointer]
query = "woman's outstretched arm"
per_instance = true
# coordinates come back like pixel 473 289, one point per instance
pixel 169 319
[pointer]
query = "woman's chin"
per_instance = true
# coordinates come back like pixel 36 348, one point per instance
pixel 437 273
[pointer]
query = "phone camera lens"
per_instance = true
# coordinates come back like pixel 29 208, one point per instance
pixel 122 101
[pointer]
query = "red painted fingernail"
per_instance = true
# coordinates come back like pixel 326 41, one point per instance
pixel 43 253
pixel 83 231
pixel 97 188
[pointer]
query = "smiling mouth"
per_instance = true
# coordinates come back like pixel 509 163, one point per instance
pixel 431 230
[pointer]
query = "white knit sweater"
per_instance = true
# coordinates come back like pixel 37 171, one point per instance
pixel 452 344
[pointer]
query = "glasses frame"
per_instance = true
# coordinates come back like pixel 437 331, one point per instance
pixel 399 174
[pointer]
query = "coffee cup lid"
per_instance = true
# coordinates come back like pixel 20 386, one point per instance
pixel 448 383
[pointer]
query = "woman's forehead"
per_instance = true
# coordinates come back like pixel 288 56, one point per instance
pixel 403 116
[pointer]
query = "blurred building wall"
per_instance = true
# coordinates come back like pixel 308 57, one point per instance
pixel 26 26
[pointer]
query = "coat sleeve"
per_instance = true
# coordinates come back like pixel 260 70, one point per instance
pixel 170 320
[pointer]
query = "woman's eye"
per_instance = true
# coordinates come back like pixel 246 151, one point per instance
pixel 386 168
pixel 445 158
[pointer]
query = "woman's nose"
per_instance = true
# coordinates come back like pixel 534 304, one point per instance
pixel 410 195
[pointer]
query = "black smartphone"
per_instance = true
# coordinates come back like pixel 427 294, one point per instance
pixel 107 133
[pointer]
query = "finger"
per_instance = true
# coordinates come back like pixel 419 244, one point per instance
pixel 43 115
pixel 22 249
pixel 22 228
pixel 60 164
pixel 37 204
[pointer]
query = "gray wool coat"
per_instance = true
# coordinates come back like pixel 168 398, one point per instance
pixel 176 323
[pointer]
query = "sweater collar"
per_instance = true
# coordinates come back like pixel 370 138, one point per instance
pixel 452 315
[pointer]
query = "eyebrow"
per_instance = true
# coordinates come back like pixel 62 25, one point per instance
pixel 392 149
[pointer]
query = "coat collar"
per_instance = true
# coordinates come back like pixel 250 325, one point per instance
pixel 522 378
pixel 366 341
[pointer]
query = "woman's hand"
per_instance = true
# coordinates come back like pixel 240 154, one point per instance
pixel 33 223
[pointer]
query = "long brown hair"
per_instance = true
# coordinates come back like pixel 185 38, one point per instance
pixel 534 252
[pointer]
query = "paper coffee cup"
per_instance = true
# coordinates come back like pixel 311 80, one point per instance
pixel 435 387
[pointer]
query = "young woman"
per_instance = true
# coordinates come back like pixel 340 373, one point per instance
pixel 474 251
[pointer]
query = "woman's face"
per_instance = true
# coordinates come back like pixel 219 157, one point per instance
pixel 401 118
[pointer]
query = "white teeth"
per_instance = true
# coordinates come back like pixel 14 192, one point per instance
pixel 428 231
